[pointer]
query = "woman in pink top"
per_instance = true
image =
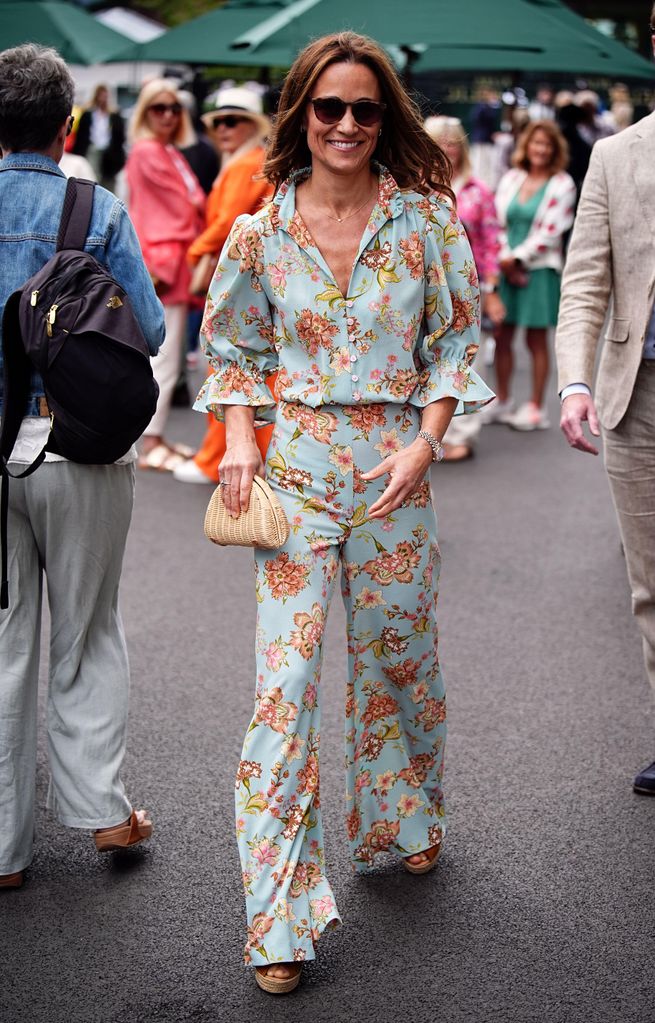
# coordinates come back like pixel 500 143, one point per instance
pixel 477 211
pixel 167 209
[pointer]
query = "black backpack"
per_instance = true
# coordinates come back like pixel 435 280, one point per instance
pixel 74 324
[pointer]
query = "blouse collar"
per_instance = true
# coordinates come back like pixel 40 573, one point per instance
pixel 389 203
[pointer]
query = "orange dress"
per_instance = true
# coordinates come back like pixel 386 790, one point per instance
pixel 238 189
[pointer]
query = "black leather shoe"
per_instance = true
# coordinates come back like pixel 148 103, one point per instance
pixel 644 783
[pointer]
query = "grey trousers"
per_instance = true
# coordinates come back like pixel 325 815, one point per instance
pixel 630 463
pixel 69 522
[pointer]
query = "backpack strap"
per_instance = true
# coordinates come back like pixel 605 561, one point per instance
pixel 75 214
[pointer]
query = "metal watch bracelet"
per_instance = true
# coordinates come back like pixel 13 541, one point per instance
pixel 436 445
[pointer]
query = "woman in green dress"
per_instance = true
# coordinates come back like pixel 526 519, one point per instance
pixel 535 203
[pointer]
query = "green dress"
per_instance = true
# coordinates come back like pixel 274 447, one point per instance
pixel 537 304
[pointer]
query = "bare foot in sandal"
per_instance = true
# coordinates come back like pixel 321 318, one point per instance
pixel 279 978
pixel 421 863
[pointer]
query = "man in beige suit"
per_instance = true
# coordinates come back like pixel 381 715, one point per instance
pixel 612 256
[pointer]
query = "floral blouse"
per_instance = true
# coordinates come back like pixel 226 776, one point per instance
pixel 407 330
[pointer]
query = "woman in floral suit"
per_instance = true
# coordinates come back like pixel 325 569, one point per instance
pixel 357 281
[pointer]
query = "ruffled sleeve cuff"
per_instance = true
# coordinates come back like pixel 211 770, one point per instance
pixel 236 384
pixel 449 377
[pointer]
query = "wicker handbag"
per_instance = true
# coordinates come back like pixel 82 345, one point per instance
pixel 263 525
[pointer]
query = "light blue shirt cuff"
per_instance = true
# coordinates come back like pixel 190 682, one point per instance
pixel 575 389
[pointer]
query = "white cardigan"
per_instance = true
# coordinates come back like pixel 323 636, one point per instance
pixel 543 247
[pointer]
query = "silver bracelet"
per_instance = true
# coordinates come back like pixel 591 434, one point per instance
pixel 436 445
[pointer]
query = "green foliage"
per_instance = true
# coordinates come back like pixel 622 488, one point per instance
pixel 173 12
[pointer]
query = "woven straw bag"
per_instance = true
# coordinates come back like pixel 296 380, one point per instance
pixel 263 525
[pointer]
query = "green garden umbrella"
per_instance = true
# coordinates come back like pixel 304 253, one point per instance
pixel 522 35
pixel 450 35
pixel 78 37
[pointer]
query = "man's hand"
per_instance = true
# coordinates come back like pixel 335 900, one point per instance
pixel 576 410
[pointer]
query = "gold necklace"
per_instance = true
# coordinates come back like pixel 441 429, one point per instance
pixel 340 220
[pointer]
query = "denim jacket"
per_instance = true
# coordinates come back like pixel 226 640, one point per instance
pixel 32 191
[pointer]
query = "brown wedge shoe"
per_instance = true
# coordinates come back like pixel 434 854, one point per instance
pixel 278 985
pixel 122 836
pixel 422 868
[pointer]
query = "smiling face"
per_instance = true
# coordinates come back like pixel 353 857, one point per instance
pixel 540 151
pixel 163 124
pixel 344 148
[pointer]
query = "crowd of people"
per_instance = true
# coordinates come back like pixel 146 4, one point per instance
pixel 517 172
pixel 343 254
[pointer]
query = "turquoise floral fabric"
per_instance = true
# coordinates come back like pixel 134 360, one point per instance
pixel 355 371
pixel 407 331
pixel 395 726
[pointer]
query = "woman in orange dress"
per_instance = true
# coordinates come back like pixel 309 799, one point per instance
pixel 237 128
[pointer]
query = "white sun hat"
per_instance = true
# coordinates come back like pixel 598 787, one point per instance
pixel 241 102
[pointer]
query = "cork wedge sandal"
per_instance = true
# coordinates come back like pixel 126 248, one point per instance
pixel 278 985
pixel 122 836
pixel 423 868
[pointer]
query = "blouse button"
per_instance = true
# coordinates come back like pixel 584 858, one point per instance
pixel 357 396
pixel 349 303
pixel 354 378
pixel 353 357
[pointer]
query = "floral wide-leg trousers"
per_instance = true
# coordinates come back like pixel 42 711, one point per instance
pixel 395 706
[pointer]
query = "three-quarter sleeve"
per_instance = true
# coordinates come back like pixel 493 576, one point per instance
pixel 237 332
pixel 452 316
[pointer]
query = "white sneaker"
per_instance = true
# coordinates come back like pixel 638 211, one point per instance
pixel 188 472
pixel 529 417
pixel 497 411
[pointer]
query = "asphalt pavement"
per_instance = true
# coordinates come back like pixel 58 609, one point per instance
pixel 542 907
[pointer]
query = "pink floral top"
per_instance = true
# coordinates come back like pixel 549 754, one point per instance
pixel 407 330
pixel 477 211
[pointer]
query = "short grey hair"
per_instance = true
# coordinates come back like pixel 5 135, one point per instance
pixel 36 97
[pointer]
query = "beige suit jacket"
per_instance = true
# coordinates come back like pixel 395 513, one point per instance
pixel 610 263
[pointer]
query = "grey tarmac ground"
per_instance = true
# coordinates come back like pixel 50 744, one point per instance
pixel 542 909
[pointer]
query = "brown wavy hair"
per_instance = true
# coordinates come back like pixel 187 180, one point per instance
pixel 559 161
pixel 404 147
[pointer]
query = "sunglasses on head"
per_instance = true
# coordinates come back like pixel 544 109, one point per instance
pixel 331 110
pixel 228 120
pixel 163 108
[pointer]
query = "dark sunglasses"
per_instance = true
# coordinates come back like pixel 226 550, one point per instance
pixel 163 108
pixel 331 110
pixel 229 120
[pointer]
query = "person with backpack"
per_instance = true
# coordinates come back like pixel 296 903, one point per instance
pixel 70 517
